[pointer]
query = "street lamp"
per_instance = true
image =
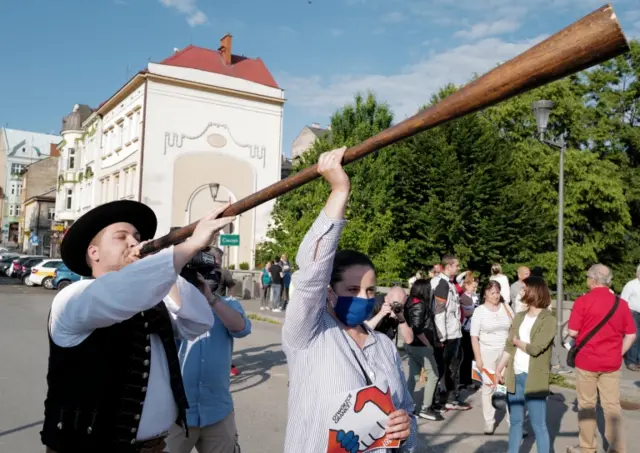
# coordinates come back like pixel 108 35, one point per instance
pixel 541 110
pixel 213 190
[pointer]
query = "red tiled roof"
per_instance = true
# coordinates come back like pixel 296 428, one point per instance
pixel 253 70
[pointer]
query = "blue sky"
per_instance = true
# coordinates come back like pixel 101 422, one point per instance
pixel 58 53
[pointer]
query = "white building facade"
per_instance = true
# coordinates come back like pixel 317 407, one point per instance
pixel 184 137
pixel 19 149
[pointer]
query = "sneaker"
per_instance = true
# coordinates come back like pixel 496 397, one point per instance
pixel 632 367
pixel 262 308
pixel 574 449
pixel 489 428
pixel 430 414
pixel 234 371
pixel 438 408
pixel 456 405
pixel 276 310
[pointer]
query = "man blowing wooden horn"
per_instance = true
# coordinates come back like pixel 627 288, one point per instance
pixel 114 382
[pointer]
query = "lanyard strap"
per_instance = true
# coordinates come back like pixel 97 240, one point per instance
pixel 355 356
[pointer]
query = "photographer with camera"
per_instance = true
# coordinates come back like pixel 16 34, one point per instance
pixel 388 315
pixel 224 277
pixel 205 362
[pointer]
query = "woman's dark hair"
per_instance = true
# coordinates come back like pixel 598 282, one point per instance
pixel 493 284
pixel 345 259
pixel 536 292
pixel 421 289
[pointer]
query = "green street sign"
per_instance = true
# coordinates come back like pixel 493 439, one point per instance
pixel 229 240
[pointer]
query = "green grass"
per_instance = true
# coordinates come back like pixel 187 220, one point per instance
pixel 560 381
pixel 262 318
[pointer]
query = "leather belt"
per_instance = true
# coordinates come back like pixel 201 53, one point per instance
pixel 155 445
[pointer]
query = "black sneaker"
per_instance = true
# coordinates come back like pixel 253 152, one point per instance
pixel 430 414
pixel 438 408
pixel 456 405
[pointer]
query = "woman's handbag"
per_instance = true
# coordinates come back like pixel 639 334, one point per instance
pixel 573 352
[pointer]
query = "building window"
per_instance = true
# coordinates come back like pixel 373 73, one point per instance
pixel 78 199
pixel 16 169
pixel 116 187
pixel 15 189
pixel 69 202
pixel 137 124
pixel 51 214
pixel 107 188
pixel 14 210
pixel 127 129
pixel 119 135
pixel 72 159
pixel 132 175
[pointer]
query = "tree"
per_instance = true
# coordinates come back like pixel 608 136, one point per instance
pixel 485 188
pixel 371 224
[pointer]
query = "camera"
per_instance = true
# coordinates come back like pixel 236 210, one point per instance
pixel 397 307
pixel 205 264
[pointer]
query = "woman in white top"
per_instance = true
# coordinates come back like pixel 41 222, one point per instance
pixel 498 276
pixel 490 326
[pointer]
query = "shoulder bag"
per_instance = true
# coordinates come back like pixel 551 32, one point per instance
pixel 573 352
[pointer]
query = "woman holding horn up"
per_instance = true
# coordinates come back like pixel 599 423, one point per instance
pixel 331 351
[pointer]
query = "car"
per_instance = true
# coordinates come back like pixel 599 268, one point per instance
pixel 43 272
pixel 15 265
pixel 63 277
pixel 5 263
pixel 24 272
pixel 4 255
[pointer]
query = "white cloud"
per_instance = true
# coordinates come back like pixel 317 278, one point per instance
pixel 408 89
pixel 336 32
pixel 484 29
pixel 189 8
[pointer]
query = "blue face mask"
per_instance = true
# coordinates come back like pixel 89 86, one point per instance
pixel 353 311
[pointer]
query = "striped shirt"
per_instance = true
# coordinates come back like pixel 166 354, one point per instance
pixel 491 327
pixel 320 356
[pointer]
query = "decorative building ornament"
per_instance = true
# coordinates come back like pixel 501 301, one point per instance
pixel 175 140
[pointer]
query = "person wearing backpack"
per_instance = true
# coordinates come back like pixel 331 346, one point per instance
pixel 447 317
pixel 600 347
pixel 421 350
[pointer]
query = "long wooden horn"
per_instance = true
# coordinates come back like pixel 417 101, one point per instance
pixel 591 40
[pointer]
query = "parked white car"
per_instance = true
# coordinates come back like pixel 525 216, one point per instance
pixel 43 273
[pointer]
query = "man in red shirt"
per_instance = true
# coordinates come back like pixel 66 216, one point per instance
pixel 598 362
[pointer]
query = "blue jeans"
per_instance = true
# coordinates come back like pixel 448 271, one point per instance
pixel 537 417
pixel 632 357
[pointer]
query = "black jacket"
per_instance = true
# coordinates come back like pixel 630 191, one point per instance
pixel 387 325
pixel 420 318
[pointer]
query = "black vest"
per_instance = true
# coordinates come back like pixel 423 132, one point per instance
pixel 97 388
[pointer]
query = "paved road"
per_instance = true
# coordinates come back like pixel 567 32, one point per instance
pixel 260 392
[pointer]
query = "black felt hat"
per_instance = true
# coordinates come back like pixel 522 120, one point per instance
pixel 76 242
